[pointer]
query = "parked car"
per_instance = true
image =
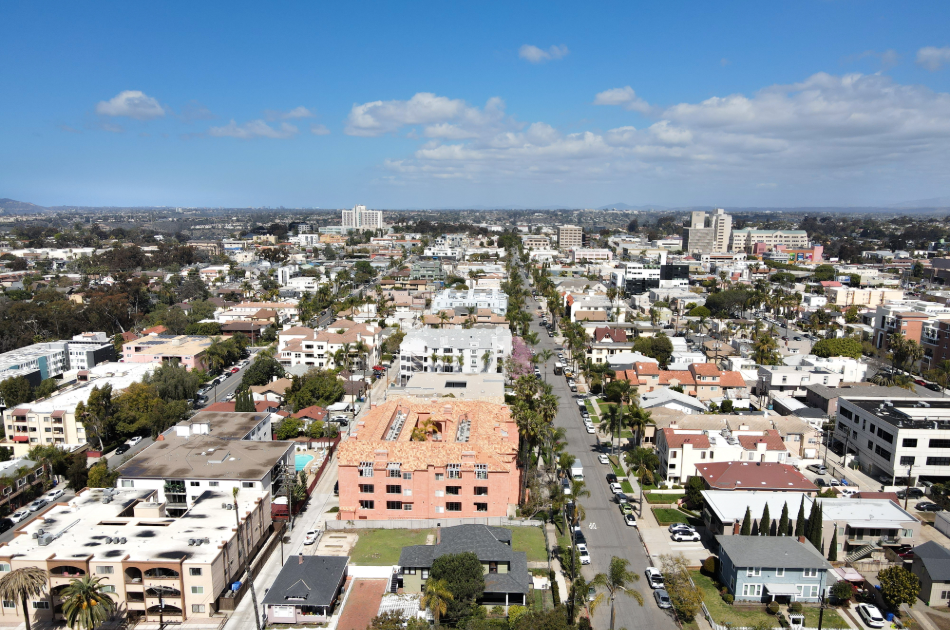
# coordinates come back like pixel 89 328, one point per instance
pixel 684 536
pixel 235 370
pixel 654 578
pixel 584 555
pixel 871 615
pixel 675 527
pixel 913 493
pixel 5 524
pixel 122 448
pixel 135 440
pixel 38 504
pixel 54 494
pixel 626 508
pixel 797 339
pixel 833 483
pixel 820 482
pixel 310 537
pixel 818 469
pixel 927 506
pixel 611 478
pixel 629 518
pixel 662 598
pixel 616 487
pixel 603 459
pixel 19 515
pixel 906 555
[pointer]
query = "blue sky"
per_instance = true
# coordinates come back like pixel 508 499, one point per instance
pixel 475 104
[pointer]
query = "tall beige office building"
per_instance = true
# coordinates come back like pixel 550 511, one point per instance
pixel 706 239
pixel 569 236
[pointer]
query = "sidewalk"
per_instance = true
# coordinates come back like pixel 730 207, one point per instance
pixel 550 531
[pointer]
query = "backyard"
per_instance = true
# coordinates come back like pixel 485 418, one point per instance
pixel 383 546
pixel 752 614
pixel 531 541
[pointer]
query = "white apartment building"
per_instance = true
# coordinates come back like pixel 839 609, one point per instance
pixel 791 380
pixel 318 348
pixel 681 450
pixel 569 236
pixel 896 437
pixel 471 299
pixel 359 218
pixel 444 251
pixel 472 351
pixel 594 255
pixel 744 240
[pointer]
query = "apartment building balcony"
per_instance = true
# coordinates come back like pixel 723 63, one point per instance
pixel 860 540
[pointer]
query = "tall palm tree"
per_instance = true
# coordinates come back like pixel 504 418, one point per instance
pixel 86 604
pixel 247 568
pixel 544 356
pixel 436 598
pixel 617 581
pixel 443 317
pixel 941 374
pixel 23 584
pixel 612 423
pixel 460 359
pixel 486 360
pixel 434 358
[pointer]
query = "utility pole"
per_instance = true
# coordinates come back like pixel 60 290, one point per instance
pixel 290 475
pixel 907 486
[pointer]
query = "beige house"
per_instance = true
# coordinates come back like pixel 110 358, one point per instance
pixel 932 568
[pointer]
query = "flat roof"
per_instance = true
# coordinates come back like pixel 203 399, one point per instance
pixel 234 425
pixel 118 375
pixel 170 345
pixel 731 506
pixel 81 529
pixel 205 457
pixel 907 413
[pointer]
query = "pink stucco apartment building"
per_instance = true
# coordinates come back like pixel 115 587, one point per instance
pixel 185 350
pixel 438 459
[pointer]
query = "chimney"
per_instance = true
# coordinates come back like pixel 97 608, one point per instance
pixel 736 528
pixel 801 539
pixel 300 558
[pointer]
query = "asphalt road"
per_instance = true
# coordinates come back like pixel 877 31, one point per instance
pixel 607 534
pixel 7 536
pixel 220 393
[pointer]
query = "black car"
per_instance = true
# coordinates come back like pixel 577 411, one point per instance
pixel 820 482
pixel 913 493
pixel 927 506
pixel 611 478
pixel 122 448
pixel 5 524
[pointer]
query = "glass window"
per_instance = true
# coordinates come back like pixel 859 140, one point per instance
pixel 810 573
pixel 194 484
pixel 107 588
pixel 453 506
pixel 197 608
pixel 367 488
pixel 105 570
pixel 779 572
pixel 909 443
pixel 40 605
pixel 197 590
pixel 214 484
pixel 439 477
pixel 128 483
pixel 4 567
pixel 367 505
pixel 481 507
pixel 9 604
pixel 247 484
pixel 194 571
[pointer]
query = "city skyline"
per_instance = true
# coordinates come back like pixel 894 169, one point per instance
pixel 434 106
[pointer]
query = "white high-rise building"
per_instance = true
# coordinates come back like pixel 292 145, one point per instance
pixel 359 218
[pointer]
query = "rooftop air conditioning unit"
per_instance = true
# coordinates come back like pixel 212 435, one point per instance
pixel 45 540
pixel 123 540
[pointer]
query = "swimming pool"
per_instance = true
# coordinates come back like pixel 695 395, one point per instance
pixel 301 461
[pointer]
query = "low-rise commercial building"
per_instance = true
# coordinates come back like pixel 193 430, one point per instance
pixel 185 350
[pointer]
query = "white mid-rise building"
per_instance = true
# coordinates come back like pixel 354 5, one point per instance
pixel 471 299
pixel 472 351
pixel 359 218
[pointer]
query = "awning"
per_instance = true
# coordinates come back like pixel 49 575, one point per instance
pixel 58 414
pixel 21 438
pixel 876 525
pixel 781 589
pixel 848 574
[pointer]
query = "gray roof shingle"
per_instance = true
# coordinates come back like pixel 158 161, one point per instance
pixel 936 560
pixel 780 552
pixel 311 583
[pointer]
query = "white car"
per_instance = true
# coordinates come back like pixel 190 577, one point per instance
pixel 684 536
pixel 52 495
pixel 590 428
pixel 616 487
pixel 19 515
pixel 871 615
pixel 603 459
pixel 833 483
pixel 630 520
pixel 135 440
pixel 583 555
pixel 676 527
pixel 38 504
pixel 311 537
pixel 654 578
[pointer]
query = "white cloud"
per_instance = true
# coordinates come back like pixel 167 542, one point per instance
pixel 537 55
pixel 295 113
pixel 933 58
pixel 253 129
pixel 624 97
pixel 131 104
pixel 441 117
pixel 319 130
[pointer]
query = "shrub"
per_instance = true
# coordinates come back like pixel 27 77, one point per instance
pixel 772 607
pixel 795 607
pixel 842 591
pixel 728 598
pixel 709 565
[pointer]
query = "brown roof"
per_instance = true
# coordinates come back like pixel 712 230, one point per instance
pixel 280 386
pixel 154 329
pixel 771 439
pixel 676 440
pixel 754 476
pixel 647 369
pixel 615 334
pixel 591 316
pixel 704 369
pixel 314 412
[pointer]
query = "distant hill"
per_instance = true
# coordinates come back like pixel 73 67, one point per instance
pixel 12 206
pixel 935 202
pixel 627 206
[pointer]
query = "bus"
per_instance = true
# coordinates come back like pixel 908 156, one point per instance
pixel 558 368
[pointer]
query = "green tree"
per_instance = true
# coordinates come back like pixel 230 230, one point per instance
pixel 77 475
pixel 800 521
pixel 174 382
pixel 46 388
pixel 316 429
pixel 618 580
pixel 316 387
pixel 815 526
pixel 100 476
pixel 464 578
pixel 436 598
pixel 765 524
pixel 244 402
pixel 261 371
pixel 685 596
pixel 15 391
pixel 783 521
pixel 21 585
pixel 746 529
pixel 844 347
pixel 86 603
pixel 842 591
pixel 288 429
pixel 694 491
pixel 833 547
pixel 898 586
pixel 699 311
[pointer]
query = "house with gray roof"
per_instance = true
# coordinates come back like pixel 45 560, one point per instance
pixel 506 571
pixel 932 568
pixel 773 568
pixel 306 589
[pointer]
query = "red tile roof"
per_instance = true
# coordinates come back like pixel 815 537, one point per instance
pixel 754 476
pixel 676 440
pixel 314 412
pixel 646 369
pixel 771 439
pixel 704 369
pixel 615 334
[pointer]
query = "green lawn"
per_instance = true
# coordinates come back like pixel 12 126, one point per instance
pixel 666 516
pixel 615 464
pixel 627 487
pixel 751 614
pixel 383 546
pixel 656 497
pixel 531 541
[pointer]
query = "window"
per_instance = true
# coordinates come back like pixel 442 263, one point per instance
pixel 481 471
pixel 810 573
pixel 393 489
pixel 194 571
pixel 194 484
pixel 780 572
pixel 454 471
pixel 702 455
pixel 197 608
pixel 366 469
pixel 673 455
pixel 105 570
pixel 247 484
pixel 407 475
pixel 107 588
pixel 907 460
pixel 214 484
pixel 367 505
pixel 481 491
pixel 197 590
pixel 753 571
pixel 884 435
pixel 481 507
pixel 453 490
pixel 409 570
pixel 939 443
pixel 808 590
pixel 493 567
pixel 393 505
pixel 907 533
pixel 943 595
pixel 453 506
pixel 4 567
pixel 367 488
pixel 938 461
pixel 40 605
pixel 393 470
pixel 909 443
pixel 752 590
pixel 425 574
pixel 7 603
pixel 407 507
pixel 439 477
pixel 883 453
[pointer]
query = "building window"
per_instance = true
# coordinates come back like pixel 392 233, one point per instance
pixel 393 470
pixel 439 477
pixel 367 488
pixel 4 567
pixel 247 484
pixel 779 572
pixel 407 507
pixel 453 490
pixel 453 506
pixel 194 484
pixel 493 567
pixel 366 469
pixel 393 489
pixel 107 588
pixel 939 443
pixel 673 455
pixel 105 570
pixel 481 491
pixel 407 476
pixel 7 603
pixel 808 590
pixel 197 608
pixel 481 471
pixel 753 571
pixel 810 573
pixel 938 461
pixel 943 595
pixel 752 590
pixel 40 605
pixel 197 590
pixel 481 507
pixel 366 504
pixel 907 460
pixel 214 484
pixel 425 574
pixel 909 443
pixel 454 471
pixel 194 571
pixel 393 505
pixel 883 453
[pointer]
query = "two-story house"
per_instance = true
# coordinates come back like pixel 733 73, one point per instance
pixel 704 381
pixel 680 451
pixel 766 568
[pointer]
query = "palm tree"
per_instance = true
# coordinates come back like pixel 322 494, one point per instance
pixel 247 568
pixel 460 359
pixel 544 356
pixel 434 358
pixel 443 317
pixel 617 581
pixel 436 598
pixel 941 374
pixel 85 603
pixel 23 584
pixel 612 423
pixel 486 359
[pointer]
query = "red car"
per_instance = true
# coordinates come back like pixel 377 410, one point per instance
pixel 920 382
pixel 235 370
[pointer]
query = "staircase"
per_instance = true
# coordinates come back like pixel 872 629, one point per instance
pixel 863 552
pixel 394 582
